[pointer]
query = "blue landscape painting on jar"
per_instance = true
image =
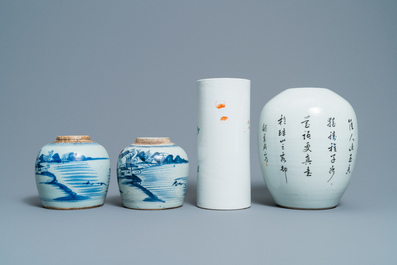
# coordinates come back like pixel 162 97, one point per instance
pixel 152 179
pixel 71 178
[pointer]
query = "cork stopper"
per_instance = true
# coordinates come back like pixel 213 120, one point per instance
pixel 73 139
pixel 153 141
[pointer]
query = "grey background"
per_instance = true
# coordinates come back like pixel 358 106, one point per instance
pixel 117 70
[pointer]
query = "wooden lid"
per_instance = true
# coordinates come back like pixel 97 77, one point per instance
pixel 73 139
pixel 153 141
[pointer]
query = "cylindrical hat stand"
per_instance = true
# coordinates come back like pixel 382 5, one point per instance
pixel 223 180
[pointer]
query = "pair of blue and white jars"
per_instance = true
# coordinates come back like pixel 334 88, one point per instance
pixel 73 172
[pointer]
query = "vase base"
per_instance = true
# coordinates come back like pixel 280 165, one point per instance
pixel 220 209
pixel 308 209
pixel 153 209
pixel 72 208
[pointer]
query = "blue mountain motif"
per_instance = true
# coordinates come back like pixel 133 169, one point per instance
pixel 68 157
pixel 137 157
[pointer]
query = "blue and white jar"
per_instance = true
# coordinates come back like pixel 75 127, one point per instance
pixel 73 172
pixel 152 174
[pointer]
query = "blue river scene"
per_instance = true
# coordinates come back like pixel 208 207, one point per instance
pixel 70 177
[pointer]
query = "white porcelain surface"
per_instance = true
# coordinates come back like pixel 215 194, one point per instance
pixel 223 143
pixel 307 147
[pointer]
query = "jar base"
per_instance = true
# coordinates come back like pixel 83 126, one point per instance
pixel 72 208
pixel 307 209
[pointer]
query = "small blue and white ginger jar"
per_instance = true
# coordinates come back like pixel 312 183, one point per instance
pixel 152 174
pixel 73 172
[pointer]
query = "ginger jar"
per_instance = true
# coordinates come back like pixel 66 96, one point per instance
pixel 152 174
pixel 72 172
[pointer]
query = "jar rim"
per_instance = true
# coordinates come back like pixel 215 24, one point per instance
pixel 153 141
pixel 73 139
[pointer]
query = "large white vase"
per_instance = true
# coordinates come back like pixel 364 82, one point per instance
pixel 223 178
pixel 307 147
